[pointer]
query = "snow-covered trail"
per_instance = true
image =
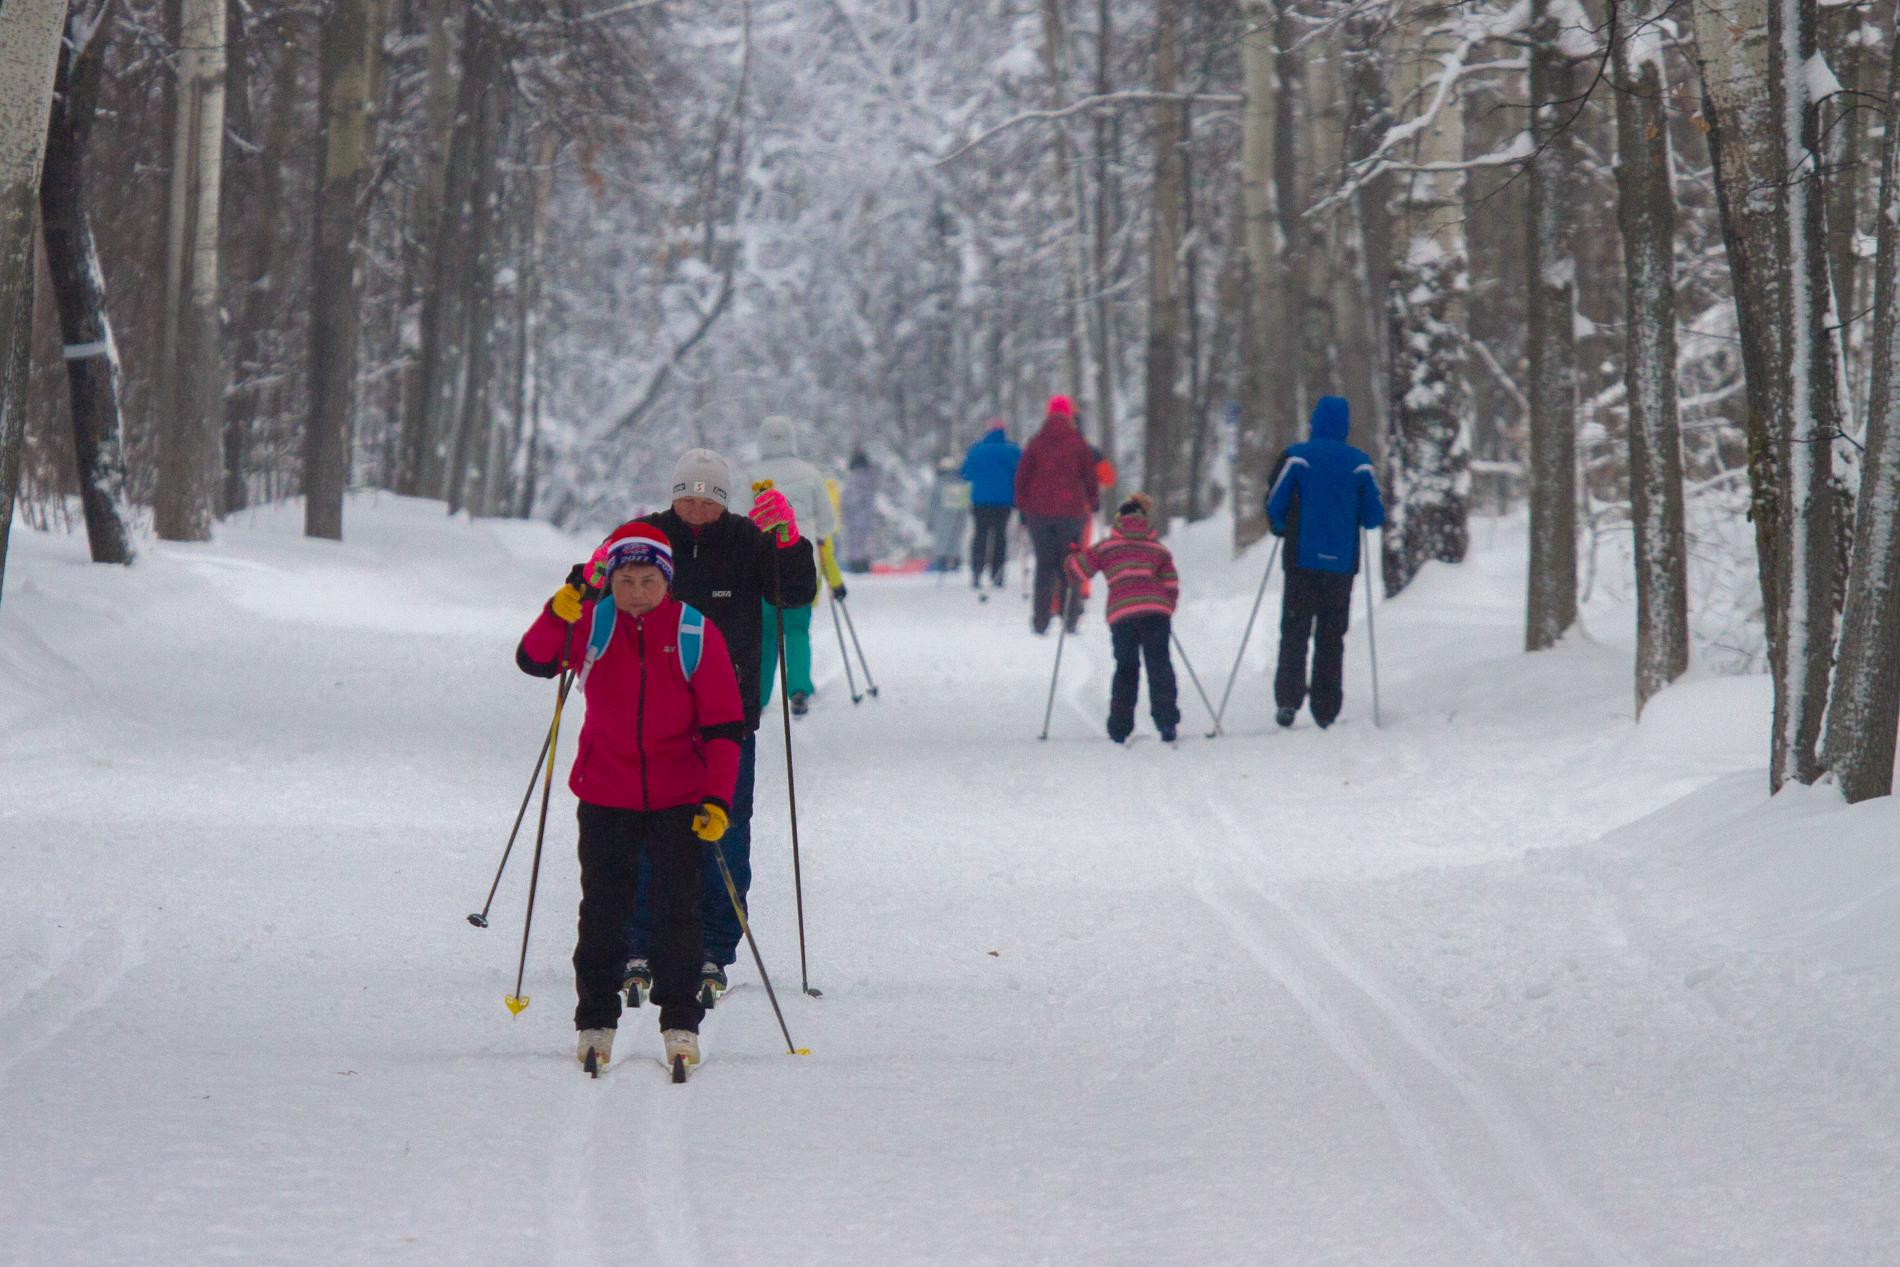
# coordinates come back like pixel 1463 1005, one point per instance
pixel 1081 1003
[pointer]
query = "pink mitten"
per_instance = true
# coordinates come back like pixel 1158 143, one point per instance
pixel 772 513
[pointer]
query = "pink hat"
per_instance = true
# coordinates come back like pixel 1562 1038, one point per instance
pixel 1061 407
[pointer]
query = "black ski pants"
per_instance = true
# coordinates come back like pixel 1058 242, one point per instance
pixel 1052 538
pixel 612 842
pixel 1315 607
pixel 1138 638
pixel 989 544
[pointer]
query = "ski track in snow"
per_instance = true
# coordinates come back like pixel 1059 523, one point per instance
pixel 1437 1147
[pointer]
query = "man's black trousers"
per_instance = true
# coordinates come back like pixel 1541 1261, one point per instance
pixel 1052 538
pixel 1316 607
pixel 1138 638
pixel 612 841
pixel 989 544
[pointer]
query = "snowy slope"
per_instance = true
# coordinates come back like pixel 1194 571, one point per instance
pixel 1509 980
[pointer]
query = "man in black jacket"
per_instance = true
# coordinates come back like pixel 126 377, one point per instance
pixel 726 565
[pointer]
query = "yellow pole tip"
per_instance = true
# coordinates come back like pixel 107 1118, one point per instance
pixel 804 1051
pixel 515 1002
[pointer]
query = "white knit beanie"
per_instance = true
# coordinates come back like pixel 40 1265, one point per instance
pixel 703 473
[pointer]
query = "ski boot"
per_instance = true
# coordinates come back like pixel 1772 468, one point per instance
pixel 639 982
pixel 1167 734
pixel 682 1052
pixel 712 984
pixel 595 1049
pixel 801 703
pixel 1285 716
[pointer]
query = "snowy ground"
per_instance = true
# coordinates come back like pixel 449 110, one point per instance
pixel 1510 980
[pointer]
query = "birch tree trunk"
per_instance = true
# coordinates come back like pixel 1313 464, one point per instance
pixel 1429 450
pixel 1266 386
pixel 1106 152
pixel 1366 238
pixel 190 395
pixel 72 256
pixel 1864 709
pixel 1054 54
pixel 1850 39
pixel 29 49
pixel 351 30
pixel 452 259
pixel 254 194
pixel 1808 416
pixel 1161 467
pixel 1551 600
pixel 419 466
pixel 1732 50
pixel 1646 214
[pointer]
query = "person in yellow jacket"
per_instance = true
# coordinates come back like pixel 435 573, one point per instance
pixel 808 491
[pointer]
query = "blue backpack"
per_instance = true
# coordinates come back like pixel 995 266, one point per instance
pixel 691 643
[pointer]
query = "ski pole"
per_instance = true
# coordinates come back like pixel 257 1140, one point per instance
pixel 481 920
pixel 1022 552
pixel 870 685
pixel 1194 677
pixel 1061 634
pixel 738 908
pixel 1244 637
pixel 1372 634
pixel 791 782
pixel 838 627
pixel 517 1001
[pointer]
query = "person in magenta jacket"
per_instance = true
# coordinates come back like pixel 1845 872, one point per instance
pixel 658 760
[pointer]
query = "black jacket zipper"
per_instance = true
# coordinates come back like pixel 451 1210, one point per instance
pixel 640 715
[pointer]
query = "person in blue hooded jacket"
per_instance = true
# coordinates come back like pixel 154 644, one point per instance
pixel 990 468
pixel 1323 492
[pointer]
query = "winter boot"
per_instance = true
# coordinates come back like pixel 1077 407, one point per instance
pixel 682 1052
pixel 801 703
pixel 639 982
pixel 1286 715
pixel 598 1043
pixel 712 984
pixel 1167 734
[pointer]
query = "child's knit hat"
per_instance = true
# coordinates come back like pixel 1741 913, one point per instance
pixel 632 542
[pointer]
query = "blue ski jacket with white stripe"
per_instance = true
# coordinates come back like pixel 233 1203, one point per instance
pixel 1324 491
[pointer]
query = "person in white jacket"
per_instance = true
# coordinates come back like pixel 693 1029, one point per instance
pixel 804 487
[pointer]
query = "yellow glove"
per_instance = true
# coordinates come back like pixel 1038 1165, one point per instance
pixel 566 604
pixel 711 822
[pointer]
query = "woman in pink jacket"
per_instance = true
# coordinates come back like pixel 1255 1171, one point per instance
pixel 659 754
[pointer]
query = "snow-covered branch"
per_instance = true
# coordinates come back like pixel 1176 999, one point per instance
pixel 1101 101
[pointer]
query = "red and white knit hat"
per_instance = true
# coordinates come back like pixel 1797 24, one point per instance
pixel 632 542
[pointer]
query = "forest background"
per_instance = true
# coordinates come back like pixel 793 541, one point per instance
pixel 1627 264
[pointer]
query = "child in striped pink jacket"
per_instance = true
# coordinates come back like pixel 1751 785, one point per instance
pixel 1143 589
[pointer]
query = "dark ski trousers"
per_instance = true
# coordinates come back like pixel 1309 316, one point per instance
pixel 722 933
pixel 1138 638
pixel 616 845
pixel 1052 538
pixel 989 544
pixel 1315 607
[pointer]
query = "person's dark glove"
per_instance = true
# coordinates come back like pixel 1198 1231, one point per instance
pixel 838 591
